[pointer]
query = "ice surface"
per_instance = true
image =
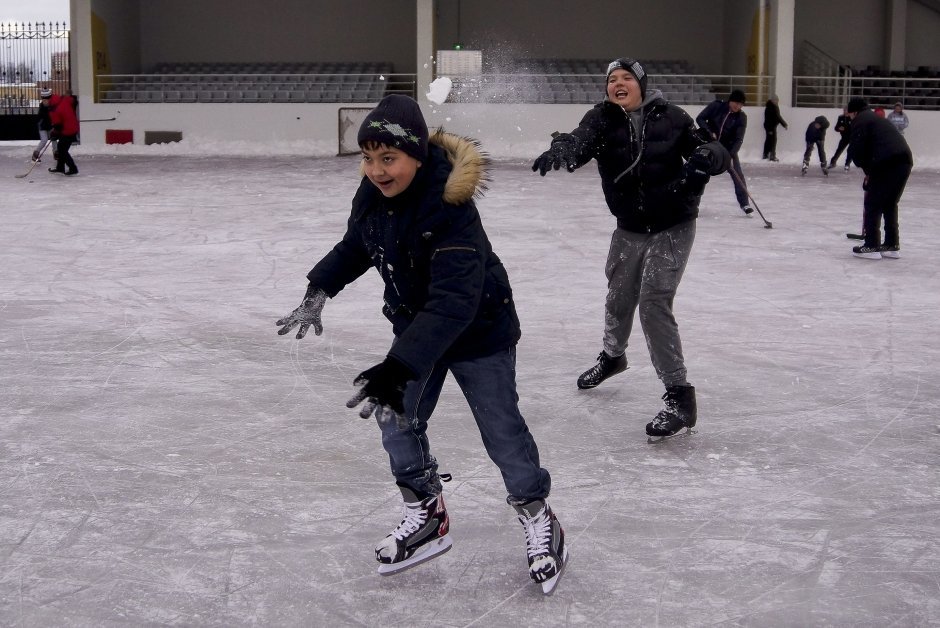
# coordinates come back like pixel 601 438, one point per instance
pixel 167 459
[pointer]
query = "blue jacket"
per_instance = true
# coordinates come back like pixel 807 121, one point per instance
pixel 447 293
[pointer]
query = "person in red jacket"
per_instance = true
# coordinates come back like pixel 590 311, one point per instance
pixel 65 130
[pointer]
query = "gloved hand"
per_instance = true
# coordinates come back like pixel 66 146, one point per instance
pixel 306 314
pixel 383 390
pixel 694 174
pixel 561 153
pixel 865 183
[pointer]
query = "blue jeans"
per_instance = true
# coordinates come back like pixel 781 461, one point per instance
pixel 489 384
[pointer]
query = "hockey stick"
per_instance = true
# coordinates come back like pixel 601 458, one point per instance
pixel 855 236
pixel 35 161
pixel 99 120
pixel 767 223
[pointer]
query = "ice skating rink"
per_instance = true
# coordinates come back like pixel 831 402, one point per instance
pixel 167 460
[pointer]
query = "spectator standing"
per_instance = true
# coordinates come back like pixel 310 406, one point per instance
pixel 726 122
pixel 772 119
pixel 879 149
pixel 898 118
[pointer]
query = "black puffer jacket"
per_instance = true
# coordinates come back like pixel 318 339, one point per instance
pixel 876 143
pixel 645 198
pixel 446 292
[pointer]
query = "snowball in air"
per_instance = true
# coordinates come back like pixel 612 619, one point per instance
pixel 439 89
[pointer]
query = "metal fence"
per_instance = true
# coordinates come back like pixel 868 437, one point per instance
pixel 32 57
pixel 912 92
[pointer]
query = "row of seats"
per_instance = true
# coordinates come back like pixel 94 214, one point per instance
pixel 371 94
pixel 302 67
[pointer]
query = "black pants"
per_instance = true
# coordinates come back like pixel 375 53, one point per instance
pixel 65 159
pixel 770 143
pixel 809 151
pixel 885 187
pixel 843 144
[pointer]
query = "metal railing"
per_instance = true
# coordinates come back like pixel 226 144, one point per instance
pixel 680 89
pixel 822 91
pixel 251 88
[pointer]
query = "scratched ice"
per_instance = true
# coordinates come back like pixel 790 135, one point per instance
pixel 167 459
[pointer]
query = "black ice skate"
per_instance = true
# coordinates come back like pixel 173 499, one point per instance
pixel 421 535
pixel 890 252
pixel 748 210
pixel 805 167
pixel 867 252
pixel 679 412
pixel 545 543
pixel 606 367
pixel 825 170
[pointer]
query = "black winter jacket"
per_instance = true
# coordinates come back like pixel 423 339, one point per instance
pixel 447 294
pixel 817 134
pixel 876 143
pixel 772 117
pixel 645 199
pixel 724 125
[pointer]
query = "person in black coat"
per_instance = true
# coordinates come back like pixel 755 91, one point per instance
pixel 879 149
pixel 44 125
pixel 448 298
pixel 816 138
pixel 844 129
pixel 726 122
pixel 641 143
pixel 772 119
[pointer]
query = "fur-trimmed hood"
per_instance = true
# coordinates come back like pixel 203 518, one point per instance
pixel 470 167
pixel 470 174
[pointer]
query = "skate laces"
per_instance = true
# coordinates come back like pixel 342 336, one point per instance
pixel 415 515
pixel 538 532
pixel 670 411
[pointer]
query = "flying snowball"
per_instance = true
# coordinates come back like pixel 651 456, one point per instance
pixel 439 90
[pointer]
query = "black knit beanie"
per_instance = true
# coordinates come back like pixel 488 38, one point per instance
pixel 736 96
pixel 856 104
pixel 397 122
pixel 633 67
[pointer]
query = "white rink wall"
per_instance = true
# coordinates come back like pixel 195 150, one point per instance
pixel 506 131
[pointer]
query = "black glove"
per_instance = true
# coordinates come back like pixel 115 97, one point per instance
pixel 305 315
pixel 383 389
pixel 694 174
pixel 561 153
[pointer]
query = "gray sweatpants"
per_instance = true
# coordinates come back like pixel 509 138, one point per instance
pixel 643 270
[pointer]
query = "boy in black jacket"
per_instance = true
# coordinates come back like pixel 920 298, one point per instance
pixel 640 143
pixel 448 298
pixel 816 137
pixel 844 129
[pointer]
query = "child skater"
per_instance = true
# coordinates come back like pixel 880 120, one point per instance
pixel 448 298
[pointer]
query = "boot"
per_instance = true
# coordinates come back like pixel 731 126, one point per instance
pixel 421 535
pixel 545 543
pixel 679 412
pixel 606 367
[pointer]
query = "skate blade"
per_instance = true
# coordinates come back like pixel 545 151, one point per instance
pixel 548 587
pixel 431 550
pixel 659 439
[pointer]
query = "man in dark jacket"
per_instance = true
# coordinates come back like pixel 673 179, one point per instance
pixel 816 138
pixel 879 149
pixel 640 143
pixel 772 119
pixel 844 129
pixel 726 122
